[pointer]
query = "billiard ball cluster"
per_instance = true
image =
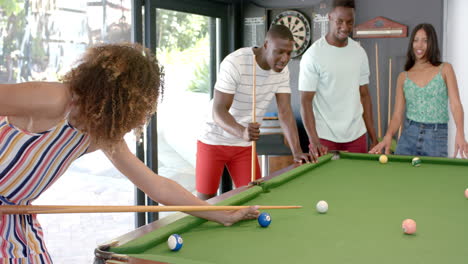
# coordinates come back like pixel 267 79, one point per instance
pixel 175 241
pixel 416 161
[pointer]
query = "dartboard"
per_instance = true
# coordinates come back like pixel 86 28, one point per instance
pixel 299 26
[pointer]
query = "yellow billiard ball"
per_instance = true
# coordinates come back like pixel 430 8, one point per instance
pixel 383 159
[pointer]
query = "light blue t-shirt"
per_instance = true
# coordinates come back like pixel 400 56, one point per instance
pixel 335 74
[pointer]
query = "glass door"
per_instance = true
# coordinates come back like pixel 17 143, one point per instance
pixel 189 38
pixel 183 48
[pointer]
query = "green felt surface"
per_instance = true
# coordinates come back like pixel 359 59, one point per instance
pixel 367 203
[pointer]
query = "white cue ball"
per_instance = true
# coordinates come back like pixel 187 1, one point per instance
pixel 322 207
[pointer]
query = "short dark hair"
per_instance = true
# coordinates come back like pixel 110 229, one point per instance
pixel 432 51
pixel 343 3
pixel 280 31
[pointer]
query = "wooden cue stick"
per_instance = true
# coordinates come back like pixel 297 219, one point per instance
pixel 254 98
pixel 67 209
pixel 378 88
pixel 389 90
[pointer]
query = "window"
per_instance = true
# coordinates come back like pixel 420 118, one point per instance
pixel 40 40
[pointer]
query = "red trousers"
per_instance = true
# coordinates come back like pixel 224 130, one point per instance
pixel 211 160
pixel 357 146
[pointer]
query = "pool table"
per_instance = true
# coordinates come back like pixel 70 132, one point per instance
pixel 367 203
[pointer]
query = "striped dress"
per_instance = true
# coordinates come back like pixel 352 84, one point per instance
pixel 29 164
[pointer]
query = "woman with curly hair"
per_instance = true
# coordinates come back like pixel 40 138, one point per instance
pixel 45 126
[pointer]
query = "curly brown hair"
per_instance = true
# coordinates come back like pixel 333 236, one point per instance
pixel 116 89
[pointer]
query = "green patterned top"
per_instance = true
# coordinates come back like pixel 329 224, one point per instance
pixel 428 104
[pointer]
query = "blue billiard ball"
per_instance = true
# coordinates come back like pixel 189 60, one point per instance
pixel 264 219
pixel 175 242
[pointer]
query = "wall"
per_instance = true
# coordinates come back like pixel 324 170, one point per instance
pixel 402 11
pixel 405 12
pixel 455 52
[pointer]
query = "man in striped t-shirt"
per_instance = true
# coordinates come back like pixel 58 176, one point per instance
pixel 229 130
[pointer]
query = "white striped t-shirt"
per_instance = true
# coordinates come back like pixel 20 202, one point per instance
pixel 235 77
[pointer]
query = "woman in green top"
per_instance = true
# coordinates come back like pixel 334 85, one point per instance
pixel 425 88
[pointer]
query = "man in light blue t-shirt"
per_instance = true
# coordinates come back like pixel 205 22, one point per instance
pixel 336 106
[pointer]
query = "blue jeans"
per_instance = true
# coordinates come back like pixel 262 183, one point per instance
pixel 423 139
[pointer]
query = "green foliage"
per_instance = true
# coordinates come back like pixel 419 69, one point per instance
pixel 179 30
pixel 192 62
pixel 201 82
pixel 183 42
pixel 39 55
pixel 10 7
pixel 12 27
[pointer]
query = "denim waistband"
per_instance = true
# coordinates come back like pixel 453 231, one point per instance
pixel 427 125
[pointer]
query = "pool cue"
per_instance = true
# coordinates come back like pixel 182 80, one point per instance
pixel 389 90
pixel 399 130
pixel 379 127
pixel 69 209
pixel 254 98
